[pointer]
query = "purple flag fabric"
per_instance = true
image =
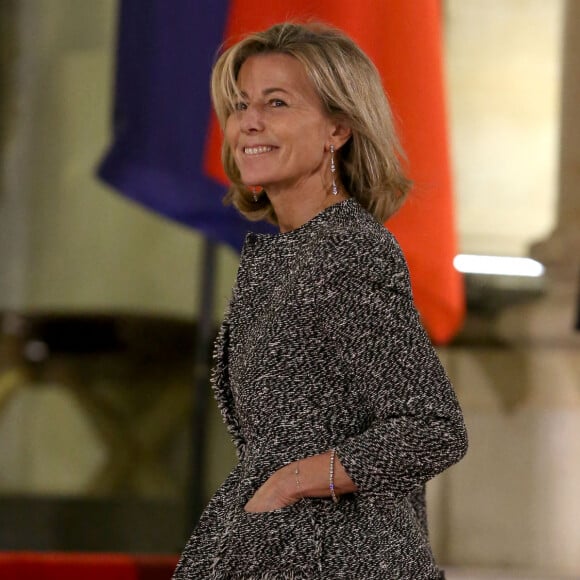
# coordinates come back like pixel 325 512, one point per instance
pixel 162 111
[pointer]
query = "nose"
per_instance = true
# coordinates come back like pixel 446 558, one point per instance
pixel 251 119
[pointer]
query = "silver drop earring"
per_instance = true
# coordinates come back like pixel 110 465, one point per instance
pixel 255 192
pixel 333 171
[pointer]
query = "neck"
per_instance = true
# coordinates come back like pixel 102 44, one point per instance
pixel 293 209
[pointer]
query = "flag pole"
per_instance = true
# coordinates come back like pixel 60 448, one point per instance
pixel 202 361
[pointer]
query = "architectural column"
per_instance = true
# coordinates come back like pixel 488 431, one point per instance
pixel 562 250
pixel 552 319
pixel 514 500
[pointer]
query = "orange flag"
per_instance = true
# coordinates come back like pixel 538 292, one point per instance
pixel 403 39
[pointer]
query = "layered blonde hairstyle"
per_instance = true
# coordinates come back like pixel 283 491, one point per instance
pixel 350 89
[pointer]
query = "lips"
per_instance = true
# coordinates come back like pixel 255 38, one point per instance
pixel 257 150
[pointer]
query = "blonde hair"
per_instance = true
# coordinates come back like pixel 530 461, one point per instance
pixel 349 87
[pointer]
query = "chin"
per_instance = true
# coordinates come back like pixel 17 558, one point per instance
pixel 255 182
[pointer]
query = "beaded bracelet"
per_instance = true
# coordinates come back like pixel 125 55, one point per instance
pixel 297 476
pixel 331 476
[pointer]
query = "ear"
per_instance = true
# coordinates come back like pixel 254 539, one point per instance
pixel 341 133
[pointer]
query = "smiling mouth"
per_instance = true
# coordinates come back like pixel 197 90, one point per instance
pixel 257 150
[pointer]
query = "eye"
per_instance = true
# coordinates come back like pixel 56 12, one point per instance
pixel 275 103
pixel 240 106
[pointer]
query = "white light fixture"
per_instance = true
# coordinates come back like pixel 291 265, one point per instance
pixel 498 265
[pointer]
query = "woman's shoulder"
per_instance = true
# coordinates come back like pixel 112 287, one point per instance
pixel 363 247
pixel 358 235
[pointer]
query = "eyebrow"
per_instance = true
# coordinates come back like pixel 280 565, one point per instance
pixel 268 91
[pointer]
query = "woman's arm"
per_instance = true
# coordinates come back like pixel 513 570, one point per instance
pixel 417 428
pixel 308 477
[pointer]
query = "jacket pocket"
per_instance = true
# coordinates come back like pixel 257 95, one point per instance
pixel 280 542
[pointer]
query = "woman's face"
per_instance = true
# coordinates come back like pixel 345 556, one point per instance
pixel 279 132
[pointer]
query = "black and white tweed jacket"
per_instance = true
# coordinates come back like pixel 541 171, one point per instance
pixel 322 347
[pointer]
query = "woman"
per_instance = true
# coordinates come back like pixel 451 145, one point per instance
pixel 338 406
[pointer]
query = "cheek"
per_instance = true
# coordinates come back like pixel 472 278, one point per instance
pixel 231 132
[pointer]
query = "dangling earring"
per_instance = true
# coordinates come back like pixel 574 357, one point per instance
pixel 333 171
pixel 256 190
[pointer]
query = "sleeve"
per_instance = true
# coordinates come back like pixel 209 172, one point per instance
pixel 416 429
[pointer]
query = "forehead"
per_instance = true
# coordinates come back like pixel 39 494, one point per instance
pixel 273 70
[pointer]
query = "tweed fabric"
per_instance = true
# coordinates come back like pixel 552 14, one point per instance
pixel 322 347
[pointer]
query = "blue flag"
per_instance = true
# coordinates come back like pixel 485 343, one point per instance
pixel 162 111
